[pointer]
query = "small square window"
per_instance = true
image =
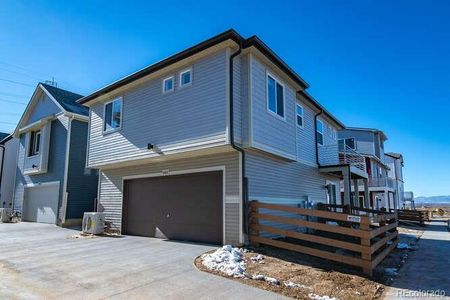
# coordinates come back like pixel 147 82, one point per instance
pixel 167 85
pixel 186 78
pixel 35 143
pixel 299 111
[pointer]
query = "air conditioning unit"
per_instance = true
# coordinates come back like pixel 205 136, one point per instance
pixel 5 215
pixel 93 222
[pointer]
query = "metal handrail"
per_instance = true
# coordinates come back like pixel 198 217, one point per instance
pixel 341 155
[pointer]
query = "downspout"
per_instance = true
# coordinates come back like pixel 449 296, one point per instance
pixel 236 147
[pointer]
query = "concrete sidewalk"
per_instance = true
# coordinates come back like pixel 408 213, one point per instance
pixel 428 268
pixel 40 261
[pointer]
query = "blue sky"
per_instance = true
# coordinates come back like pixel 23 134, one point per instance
pixel 381 64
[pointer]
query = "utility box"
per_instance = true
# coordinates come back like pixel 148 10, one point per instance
pixel 93 222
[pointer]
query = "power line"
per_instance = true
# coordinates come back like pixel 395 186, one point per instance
pixel 13 95
pixel 22 73
pixel 23 68
pixel 16 82
pixel 11 101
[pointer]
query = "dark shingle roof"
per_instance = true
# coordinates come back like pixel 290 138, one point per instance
pixel 67 100
pixel 3 135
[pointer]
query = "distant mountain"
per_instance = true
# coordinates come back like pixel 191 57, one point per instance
pixel 432 199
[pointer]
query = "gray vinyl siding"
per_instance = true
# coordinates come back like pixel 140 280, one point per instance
pixel 44 108
pixel 364 140
pixel 281 180
pixel 196 112
pixel 81 186
pixel 8 172
pixel 110 192
pixel 271 133
pixel 245 101
pixel 306 150
pixel 56 163
pixel 237 100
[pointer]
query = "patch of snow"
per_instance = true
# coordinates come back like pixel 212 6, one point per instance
pixel 257 258
pixel 402 246
pixel 258 277
pixel 227 260
pixel 317 297
pixel 291 284
pixel 271 280
pixel 391 271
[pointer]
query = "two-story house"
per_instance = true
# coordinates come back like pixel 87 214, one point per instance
pixel 184 144
pixel 395 173
pixel 52 184
pixel 370 143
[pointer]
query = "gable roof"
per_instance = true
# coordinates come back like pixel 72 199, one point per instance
pixel 67 100
pixel 230 34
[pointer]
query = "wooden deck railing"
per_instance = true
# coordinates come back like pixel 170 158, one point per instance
pixel 366 240
pixel 417 216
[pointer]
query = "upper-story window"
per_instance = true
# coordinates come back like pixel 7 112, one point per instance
pixel 113 115
pixel 319 132
pixel 35 143
pixel 299 112
pixel 349 142
pixel 275 96
pixel 186 77
pixel 168 85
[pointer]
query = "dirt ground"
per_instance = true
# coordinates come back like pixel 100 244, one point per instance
pixel 318 276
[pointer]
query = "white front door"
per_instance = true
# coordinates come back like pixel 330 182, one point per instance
pixel 41 203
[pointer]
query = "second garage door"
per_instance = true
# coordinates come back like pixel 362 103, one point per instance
pixel 182 207
pixel 41 203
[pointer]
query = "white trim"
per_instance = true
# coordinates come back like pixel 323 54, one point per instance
pixel 104 130
pixel 40 123
pixel 30 185
pixel 302 116
pixel 188 70
pixel 275 78
pixel 321 132
pixel 77 117
pixel 181 172
pixel 66 172
pixel 172 77
pixel 88 137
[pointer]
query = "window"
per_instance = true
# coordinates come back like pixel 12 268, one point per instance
pixel 319 132
pixel 113 115
pixel 167 84
pixel 299 111
pixel 35 143
pixel 349 143
pixel 186 77
pixel 275 96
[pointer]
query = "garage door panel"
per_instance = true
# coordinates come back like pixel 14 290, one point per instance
pixel 41 204
pixel 183 207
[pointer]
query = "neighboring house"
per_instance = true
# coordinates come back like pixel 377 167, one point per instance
pixel 184 144
pixel 8 164
pixel 369 142
pixel 52 183
pixel 396 164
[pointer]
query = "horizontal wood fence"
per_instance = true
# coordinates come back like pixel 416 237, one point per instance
pixel 361 240
pixel 416 216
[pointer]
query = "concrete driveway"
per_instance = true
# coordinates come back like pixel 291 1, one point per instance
pixel 43 261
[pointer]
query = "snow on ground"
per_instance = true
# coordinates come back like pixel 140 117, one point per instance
pixel 227 259
pixel 317 297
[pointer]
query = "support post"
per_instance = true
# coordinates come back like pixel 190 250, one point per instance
pixel 366 193
pixel 347 186
pixel 356 194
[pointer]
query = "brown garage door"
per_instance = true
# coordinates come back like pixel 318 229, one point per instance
pixel 182 207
